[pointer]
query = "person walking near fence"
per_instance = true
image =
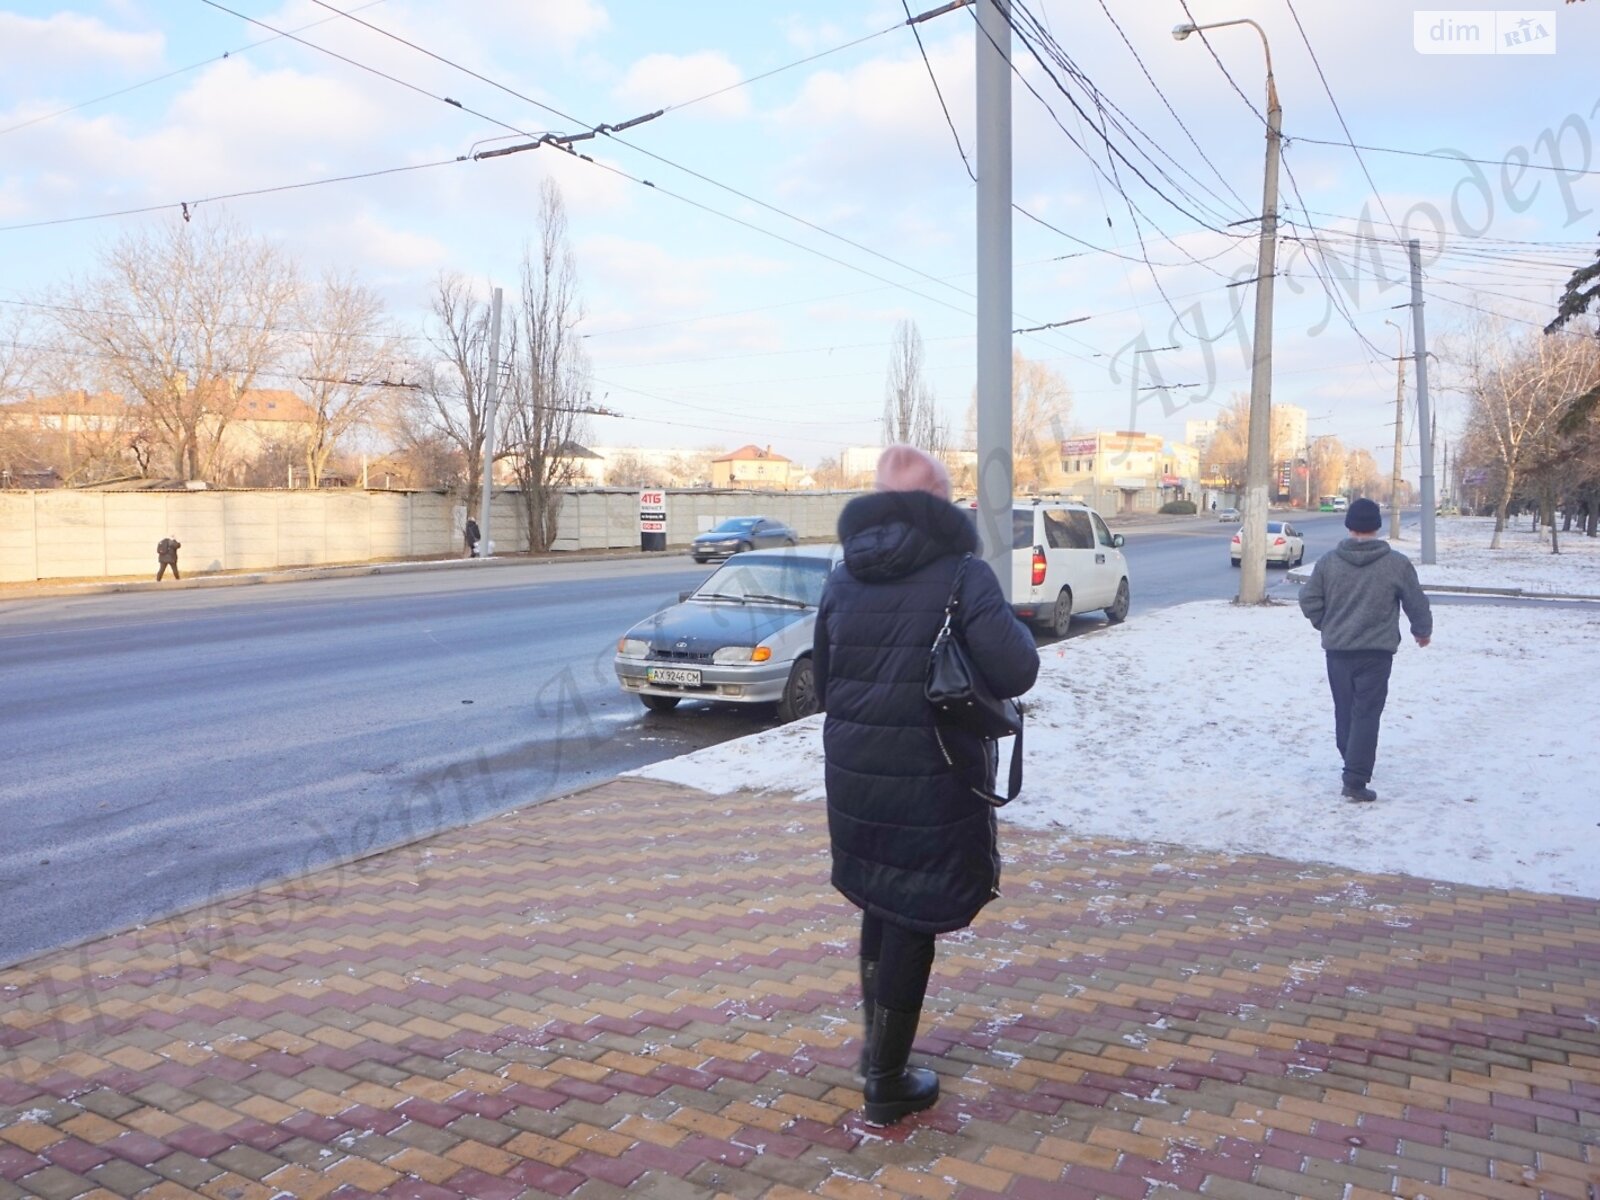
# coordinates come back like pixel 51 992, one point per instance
pixel 167 556
pixel 913 847
pixel 472 535
pixel 1354 599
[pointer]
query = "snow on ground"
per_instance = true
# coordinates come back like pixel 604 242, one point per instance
pixel 1210 726
pixel 1523 560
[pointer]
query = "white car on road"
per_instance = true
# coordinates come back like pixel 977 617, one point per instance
pixel 1285 545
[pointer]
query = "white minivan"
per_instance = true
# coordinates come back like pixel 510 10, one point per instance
pixel 1065 562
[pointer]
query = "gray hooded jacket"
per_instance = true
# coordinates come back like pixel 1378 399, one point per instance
pixel 1356 593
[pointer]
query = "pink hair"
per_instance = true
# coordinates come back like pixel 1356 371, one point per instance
pixel 907 469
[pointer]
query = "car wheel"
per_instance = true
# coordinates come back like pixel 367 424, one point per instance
pixel 659 704
pixel 799 694
pixel 698 559
pixel 790 542
pixel 1058 622
pixel 1118 612
pixel 743 546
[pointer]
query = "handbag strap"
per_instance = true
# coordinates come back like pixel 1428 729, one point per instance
pixel 1014 780
pixel 954 601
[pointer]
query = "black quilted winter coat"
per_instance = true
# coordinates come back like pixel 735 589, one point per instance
pixel 911 843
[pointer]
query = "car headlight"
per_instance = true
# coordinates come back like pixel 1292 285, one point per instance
pixel 742 654
pixel 633 648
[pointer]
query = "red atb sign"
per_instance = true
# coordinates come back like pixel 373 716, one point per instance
pixel 652 512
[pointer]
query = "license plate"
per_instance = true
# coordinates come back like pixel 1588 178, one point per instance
pixel 674 675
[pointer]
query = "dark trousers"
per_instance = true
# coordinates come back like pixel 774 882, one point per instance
pixel 1359 680
pixel 163 571
pixel 904 958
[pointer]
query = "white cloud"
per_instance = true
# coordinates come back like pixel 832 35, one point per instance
pixel 564 21
pixel 660 80
pixel 33 47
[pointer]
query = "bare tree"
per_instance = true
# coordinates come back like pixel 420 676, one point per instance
pixel 181 320
pixel 1519 390
pixel 1041 410
pixel 346 355
pixel 1226 454
pixel 1361 473
pixel 452 402
pixel 910 415
pixel 549 380
pixel 628 469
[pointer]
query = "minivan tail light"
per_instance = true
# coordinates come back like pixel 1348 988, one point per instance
pixel 1039 565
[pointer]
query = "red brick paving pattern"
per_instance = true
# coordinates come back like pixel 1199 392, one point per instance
pixel 643 990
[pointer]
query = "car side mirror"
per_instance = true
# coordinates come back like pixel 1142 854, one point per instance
pixel 1118 541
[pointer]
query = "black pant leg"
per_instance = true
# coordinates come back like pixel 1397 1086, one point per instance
pixel 904 965
pixel 161 572
pixel 1370 692
pixel 1340 683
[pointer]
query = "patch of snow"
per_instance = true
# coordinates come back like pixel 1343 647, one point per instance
pixel 1209 727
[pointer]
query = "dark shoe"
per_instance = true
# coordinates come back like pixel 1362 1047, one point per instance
pixel 894 1090
pixel 869 1002
pixel 1359 791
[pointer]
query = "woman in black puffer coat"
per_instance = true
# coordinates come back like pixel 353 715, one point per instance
pixel 913 847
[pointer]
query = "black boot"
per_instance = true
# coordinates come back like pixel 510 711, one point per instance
pixel 894 1090
pixel 869 1002
pixel 1357 789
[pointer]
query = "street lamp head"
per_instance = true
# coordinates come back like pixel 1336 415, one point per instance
pixel 1180 32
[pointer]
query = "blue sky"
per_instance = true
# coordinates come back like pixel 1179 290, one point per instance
pixel 705 331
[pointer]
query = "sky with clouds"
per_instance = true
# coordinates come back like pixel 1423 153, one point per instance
pixel 745 257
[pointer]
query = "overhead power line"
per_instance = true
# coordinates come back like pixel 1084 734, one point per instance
pixel 187 205
pixel 195 66
pixel 934 79
pixel 1450 156
pixel 1338 112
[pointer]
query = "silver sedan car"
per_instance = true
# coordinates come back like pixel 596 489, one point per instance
pixel 743 636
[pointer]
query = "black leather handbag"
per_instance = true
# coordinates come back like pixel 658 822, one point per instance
pixel 961 698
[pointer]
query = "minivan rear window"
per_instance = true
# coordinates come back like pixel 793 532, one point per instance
pixel 1021 527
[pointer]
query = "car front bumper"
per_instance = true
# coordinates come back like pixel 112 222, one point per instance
pixel 752 683
pixel 712 551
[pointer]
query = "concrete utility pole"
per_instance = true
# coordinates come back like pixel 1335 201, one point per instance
pixel 1399 434
pixel 1419 344
pixel 995 474
pixel 491 405
pixel 1258 454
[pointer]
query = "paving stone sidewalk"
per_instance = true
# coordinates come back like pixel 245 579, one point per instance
pixel 648 991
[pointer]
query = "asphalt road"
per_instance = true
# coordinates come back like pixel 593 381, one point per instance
pixel 163 749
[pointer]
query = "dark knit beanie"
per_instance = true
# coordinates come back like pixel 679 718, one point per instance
pixel 1363 517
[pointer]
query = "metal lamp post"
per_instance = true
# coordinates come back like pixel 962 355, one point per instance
pixel 1258 466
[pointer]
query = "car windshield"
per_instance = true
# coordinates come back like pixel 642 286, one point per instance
pixel 737 525
pixel 794 579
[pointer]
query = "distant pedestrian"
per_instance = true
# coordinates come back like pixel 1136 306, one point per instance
pixel 167 556
pixel 913 847
pixel 1354 597
pixel 473 535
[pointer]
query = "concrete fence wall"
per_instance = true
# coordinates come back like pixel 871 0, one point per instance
pixel 66 534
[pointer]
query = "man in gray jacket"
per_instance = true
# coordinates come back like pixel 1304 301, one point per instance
pixel 1355 597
